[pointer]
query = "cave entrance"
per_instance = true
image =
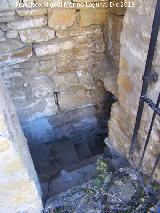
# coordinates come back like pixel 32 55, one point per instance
pixel 68 144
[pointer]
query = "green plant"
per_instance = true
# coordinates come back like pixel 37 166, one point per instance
pixel 102 171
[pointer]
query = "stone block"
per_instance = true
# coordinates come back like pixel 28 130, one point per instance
pixel 96 42
pixel 64 81
pixel 85 79
pixel 7 13
pixel 62 62
pixel 93 16
pixel 64 58
pixel 74 98
pixel 28 23
pixel 3 26
pixel 78 31
pixel 36 35
pixel 53 48
pixel 10 46
pixel 7 18
pixel 47 66
pixel 32 12
pixel 12 34
pixel 73 65
pixel 82 52
pixel 61 18
pixel 17 56
pixel 69 67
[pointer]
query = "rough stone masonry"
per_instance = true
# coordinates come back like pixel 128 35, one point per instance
pixel 42 51
pixel 47 50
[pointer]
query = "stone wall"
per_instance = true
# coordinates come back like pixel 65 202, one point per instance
pixel 47 50
pixel 20 189
pixel 134 48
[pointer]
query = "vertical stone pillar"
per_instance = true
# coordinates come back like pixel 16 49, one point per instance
pixel 133 54
pixel 19 187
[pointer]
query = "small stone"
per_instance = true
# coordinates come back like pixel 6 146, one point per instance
pixel 96 42
pixel 4 27
pixel 81 53
pixel 64 81
pixel 93 16
pixel 61 18
pixel 7 13
pixel 152 210
pixel 47 66
pixel 30 23
pixel 54 48
pixel 77 31
pixel 12 34
pixel 37 35
pixel 10 46
pixel 7 18
pixel 77 96
pixel 32 12
pixel 17 56
pixel 121 192
pixel 85 78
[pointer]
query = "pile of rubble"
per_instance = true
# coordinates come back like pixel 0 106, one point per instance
pixel 123 190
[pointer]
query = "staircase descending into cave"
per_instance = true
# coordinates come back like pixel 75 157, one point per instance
pixel 72 165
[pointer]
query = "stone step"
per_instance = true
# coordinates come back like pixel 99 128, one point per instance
pixel 65 152
pixel 83 151
pixel 67 180
pixel 53 174
pixel 62 155
pixel 82 163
